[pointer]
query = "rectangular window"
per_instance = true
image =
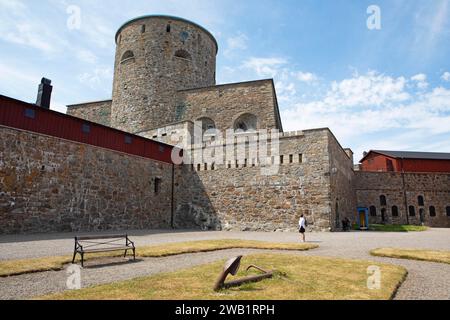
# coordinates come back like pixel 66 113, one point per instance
pixel 300 158
pixel 128 140
pixel 206 167
pixel 291 158
pixel 86 128
pixel 199 167
pixel 30 113
pixel 213 167
pixel 281 159
pixel 158 182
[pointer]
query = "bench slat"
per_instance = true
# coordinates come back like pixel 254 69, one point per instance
pixel 102 237
pixel 107 249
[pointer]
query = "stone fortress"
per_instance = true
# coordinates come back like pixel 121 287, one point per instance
pixel 164 90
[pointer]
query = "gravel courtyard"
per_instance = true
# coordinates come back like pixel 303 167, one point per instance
pixel 425 280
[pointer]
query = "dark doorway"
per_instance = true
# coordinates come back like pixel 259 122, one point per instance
pixel 338 217
pixel 383 216
pixel 422 216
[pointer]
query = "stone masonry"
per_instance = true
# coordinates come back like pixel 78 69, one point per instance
pixel 403 191
pixel 52 185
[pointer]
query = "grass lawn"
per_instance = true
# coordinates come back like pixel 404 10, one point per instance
pixel 296 278
pixel 397 228
pixel 413 254
pixel 16 267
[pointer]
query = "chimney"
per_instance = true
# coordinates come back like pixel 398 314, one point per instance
pixel 44 93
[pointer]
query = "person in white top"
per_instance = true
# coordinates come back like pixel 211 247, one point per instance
pixel 302 227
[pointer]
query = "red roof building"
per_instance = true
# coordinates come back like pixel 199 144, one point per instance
pixel 402 161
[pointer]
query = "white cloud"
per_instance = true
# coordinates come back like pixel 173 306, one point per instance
pixel 96 78
pixel 86 56
pixel 446 76
pixel 265 67
pixel 238 42
pixel 361 110
pixel 306 77
pixel 421 80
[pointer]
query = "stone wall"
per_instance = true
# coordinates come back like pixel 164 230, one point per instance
pixel 343 196
pixel 98 112
pixel 245 197
pixel 224 104
pixel 53 185
pixel 403 191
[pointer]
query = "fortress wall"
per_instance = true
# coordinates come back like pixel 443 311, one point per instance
pixel 225 104
pixel 52 185
pixel 245 198
pixel 98 112
pixel 434 187
pixel 342 177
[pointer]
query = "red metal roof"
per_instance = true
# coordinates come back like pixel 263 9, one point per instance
pixel 26 116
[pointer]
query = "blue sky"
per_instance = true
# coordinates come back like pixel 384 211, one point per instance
pixel 375 89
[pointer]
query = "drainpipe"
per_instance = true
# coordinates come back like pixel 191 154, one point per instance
pixel 172 206
pixel 404 191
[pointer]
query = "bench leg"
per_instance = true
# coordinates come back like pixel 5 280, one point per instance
pixel 125 255
pixel 82 260
pixel 74 256
pixel 134 253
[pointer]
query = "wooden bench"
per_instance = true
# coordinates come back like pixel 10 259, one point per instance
pixel 99 244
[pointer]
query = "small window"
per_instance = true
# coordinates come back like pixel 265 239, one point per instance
pixel 300 158
pixel 448 211
pixel 206 167
pixel 229 165
pixel 373 211
pixel 183 54
pixel 383 201
pixel 199 167
pixel 421 201
pixel 168 28
pixel 281 159
pixel 127 56
pixel 412 211
pixel 85 128
pixel 245 163
pixel 30 113
pixel 432 211
pixel 213 167
pixel 395 211
pixel 128 140
pixel 143 28
pixel 158 182
pixel 291 158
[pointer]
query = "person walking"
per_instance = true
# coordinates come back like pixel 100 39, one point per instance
pixel 302 227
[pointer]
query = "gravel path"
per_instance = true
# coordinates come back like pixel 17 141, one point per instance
pixel 425 281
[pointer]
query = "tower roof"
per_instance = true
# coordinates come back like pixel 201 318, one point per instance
pixel 161 16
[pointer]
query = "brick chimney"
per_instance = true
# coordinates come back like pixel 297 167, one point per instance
pixel 44 94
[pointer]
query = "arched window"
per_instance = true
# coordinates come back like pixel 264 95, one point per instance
pixel 395 211
pixel 373 211
pixel 183 54
pixel 127 56
pixel 432 211
pixel 208 125
pixel 246 123
pixel 421 201
pixel 383 201
pixel 448 211
pixel 412 211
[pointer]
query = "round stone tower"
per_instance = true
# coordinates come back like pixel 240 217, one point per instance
pixel 156 56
